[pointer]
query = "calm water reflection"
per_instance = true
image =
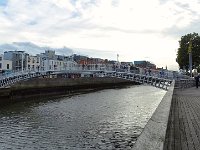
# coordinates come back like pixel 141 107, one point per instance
pixel 107 119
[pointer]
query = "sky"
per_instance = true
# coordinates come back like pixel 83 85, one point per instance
pixel 134 29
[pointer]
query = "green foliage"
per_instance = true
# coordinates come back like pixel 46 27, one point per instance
pixel 189 43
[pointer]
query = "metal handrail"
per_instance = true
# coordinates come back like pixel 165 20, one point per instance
pixel 13 77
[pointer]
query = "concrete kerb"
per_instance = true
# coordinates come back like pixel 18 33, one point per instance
pixel 153 135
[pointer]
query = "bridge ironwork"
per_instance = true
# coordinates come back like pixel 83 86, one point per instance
pixel 154 79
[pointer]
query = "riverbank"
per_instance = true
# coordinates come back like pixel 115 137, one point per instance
pixel 154 133
pixel 41 88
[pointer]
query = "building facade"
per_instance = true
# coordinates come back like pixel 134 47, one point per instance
pixel 33 63
pixel 5 65
pixel 144 64
pixel 49 61
pixel 18 58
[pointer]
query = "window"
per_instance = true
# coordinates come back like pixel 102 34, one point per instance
pixel 0 65
pixel 37 59
pixel 0 58
pixel 8 66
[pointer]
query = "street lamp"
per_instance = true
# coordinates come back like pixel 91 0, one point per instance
pixel 22 62
pixel 190 56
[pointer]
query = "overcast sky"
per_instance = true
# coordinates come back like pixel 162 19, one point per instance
pixel 134 29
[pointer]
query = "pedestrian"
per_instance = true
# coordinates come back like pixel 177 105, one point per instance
pixel 197 81
pixel 196 77
pixel 149 72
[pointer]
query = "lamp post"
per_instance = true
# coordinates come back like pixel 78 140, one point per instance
pixel 190 63
pixel 190 56
pixel 22 62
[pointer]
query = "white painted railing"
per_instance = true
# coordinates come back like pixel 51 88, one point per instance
pixel 184 83
pixel 154 78
pixel 142 79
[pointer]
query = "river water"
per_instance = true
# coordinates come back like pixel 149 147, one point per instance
pixel 106 119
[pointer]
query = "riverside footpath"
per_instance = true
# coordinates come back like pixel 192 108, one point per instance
pixel 175 124
pixel 183 129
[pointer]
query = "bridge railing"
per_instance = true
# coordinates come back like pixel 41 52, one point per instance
pixel 139 78
pixel 102 70
pixel 184 83
pixel 14 77
pixel 93 67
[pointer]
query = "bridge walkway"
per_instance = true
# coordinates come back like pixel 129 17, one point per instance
pixel 183 130
pixel 154 80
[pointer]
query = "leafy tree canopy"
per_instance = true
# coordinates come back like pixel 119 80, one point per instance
pixel 189 43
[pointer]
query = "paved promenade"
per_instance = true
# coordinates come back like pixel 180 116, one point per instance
pixel 183 131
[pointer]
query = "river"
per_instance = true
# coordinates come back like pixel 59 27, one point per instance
pixel 106 119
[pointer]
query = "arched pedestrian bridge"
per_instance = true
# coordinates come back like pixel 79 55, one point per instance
pixel 153 80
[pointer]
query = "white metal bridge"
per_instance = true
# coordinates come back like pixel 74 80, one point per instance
pixel 154 79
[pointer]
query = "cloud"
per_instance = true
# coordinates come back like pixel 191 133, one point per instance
pixel 56 17
pixel 187 20
pixel 100 24
pixel 33 49
pixel 115 3
pixel 178 32
pixel 3 3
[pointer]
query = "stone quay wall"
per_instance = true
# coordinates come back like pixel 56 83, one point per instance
pixel 153 135
pixel 41 88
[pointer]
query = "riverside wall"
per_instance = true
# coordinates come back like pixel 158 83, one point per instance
pixel 153 135
pixel 41 88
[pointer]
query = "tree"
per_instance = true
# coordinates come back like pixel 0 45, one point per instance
pixel 189 42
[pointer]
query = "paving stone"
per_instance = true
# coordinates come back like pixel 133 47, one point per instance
pixel 183 130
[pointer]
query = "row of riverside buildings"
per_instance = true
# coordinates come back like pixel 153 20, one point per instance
pixel 15 61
